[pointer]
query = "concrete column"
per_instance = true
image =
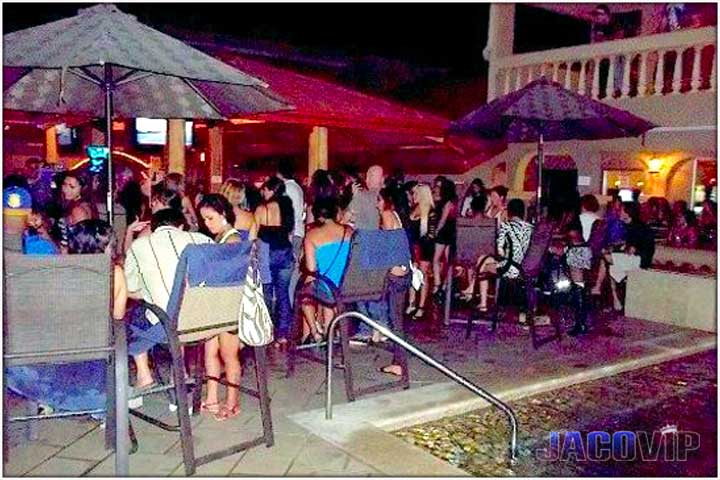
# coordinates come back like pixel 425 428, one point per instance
pixel 215 153
pixel 501 36
pixel 51 145
pixel 318 150
pixel 176 146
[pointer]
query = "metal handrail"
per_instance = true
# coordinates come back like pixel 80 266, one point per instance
pixel 424 357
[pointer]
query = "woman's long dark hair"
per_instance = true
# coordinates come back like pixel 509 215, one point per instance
pixel 220 204
pixel 91 236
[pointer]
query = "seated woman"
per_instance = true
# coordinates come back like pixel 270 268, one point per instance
pixel 513 237
pixel 79 385
pixel 36 238
pixel 684 232
pixel 76 206
pixel 217 214
pixel 326 247
pixel 707 222
pixel 637 252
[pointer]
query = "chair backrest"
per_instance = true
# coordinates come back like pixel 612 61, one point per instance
pixel 12 242
pixel 208 289
pixel 598 237
pixel 56 308
pixel 372 254
pixel 475 238
pixel 539 244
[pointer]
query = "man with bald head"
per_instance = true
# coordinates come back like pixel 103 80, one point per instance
pixel 365 215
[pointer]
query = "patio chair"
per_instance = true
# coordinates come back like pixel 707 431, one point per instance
pixel 362 281
pixel 205 301
pixel 58 309
pixel 526 284
pixel 475 238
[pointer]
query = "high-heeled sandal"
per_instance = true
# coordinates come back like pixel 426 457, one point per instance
pixel 419 313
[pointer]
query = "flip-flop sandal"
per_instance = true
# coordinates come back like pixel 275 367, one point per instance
pixel 386 370
pixel 226 413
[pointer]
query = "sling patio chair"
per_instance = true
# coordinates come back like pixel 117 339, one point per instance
pixel 367 278
pixel 205 301
pixel 525 288
pixel 57 311
pixel 476 238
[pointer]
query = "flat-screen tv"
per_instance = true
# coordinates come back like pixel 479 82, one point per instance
pixel 153 131
pixel 66 136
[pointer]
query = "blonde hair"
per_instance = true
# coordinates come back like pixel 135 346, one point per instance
pixel 234 191
pixel 425 203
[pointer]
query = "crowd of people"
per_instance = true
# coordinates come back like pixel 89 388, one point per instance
pixel 308 229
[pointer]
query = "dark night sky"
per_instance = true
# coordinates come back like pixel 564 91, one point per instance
pixel 428 34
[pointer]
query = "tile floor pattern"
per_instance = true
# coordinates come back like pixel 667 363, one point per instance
pixel 75 447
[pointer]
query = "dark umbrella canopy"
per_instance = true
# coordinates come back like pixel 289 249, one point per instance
pixel 104 63
pixel 545 111
pixel 545 107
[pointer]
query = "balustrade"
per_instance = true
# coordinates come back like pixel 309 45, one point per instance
pixel 681 62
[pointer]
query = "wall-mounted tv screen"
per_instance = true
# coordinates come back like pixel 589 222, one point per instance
pixel 66 136
pixel 153 131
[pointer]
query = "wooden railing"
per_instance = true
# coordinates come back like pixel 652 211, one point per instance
pixel 673 63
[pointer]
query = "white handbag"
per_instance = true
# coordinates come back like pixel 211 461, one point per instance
pixel 255 327
pixel 418 278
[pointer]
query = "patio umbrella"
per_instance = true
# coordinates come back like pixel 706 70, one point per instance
pixel 545 111
pixel 104 63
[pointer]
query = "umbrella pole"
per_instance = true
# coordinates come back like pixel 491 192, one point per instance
pixel 540 154
pixel 107 86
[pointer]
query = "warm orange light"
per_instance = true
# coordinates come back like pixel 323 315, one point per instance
pixel 115 152
pixel 655 165
pixel 118 126
pixel 244 121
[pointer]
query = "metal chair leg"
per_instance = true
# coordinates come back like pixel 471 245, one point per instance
pixel 197 371
pixel 347 361
pixel 110 413
pixel 261 374
pixel 122 430
pixel 186 440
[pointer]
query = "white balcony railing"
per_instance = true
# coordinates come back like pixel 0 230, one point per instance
pixel 664 64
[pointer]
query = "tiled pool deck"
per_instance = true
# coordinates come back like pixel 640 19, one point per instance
pixel 356 442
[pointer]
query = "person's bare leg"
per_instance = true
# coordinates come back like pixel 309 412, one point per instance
pixel 437 266
pixel 310 317
pixel 488 265
pixel 213 368
pixel 617 304
pixel 230 353
pixel 602 274
pixel 144 374
pixel 425 267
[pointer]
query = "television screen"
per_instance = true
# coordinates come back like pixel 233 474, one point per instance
pixel 66 136
pixel 153 131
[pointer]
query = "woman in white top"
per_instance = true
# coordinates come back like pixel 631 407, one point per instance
pixel 217 213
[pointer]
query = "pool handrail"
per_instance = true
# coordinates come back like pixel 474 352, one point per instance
pixel 424 357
